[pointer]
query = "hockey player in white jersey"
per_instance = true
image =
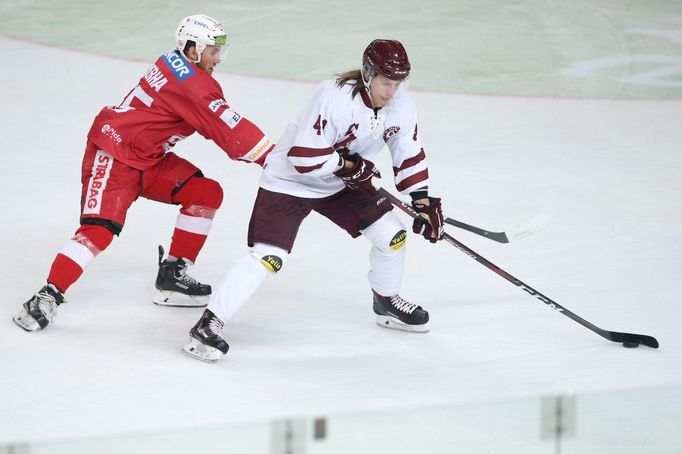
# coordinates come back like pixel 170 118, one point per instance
pixel 323 163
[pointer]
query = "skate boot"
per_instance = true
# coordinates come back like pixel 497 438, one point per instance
pixel 38 312
pixel 206 342
pixel 396 313
pixel 176 288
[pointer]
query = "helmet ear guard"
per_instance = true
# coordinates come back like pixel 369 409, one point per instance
pixel 202 31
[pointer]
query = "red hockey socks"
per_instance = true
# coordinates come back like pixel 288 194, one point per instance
pixel 200 199
pixel 77 253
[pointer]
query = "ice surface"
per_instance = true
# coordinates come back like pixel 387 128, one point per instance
pixel 606 177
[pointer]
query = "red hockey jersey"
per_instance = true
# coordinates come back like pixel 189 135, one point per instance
pixel 172 101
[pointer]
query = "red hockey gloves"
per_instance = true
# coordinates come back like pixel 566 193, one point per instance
pixel 359 177
pixel 429 223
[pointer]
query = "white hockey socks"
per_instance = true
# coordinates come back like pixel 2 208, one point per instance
pixel 244 278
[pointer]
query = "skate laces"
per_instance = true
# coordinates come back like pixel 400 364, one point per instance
pixel 45 302
pixel 402 305
pixel 216 326
pixel 184 277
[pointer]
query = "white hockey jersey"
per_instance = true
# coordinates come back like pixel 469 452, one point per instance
pixel 305 157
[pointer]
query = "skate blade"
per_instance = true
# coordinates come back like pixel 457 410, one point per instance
pixel 386 321
pixel 197 350
pixel 175 299
pixel 25 321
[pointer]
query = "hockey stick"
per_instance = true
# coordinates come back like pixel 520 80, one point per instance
pixel 627 339
pixel 500 237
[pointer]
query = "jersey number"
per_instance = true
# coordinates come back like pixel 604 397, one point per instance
pixel 319 124
pixel 136 93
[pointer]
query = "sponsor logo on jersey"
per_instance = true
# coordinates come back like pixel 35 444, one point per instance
pixel 215 105
pixel 111 133
pixel 231 118
pixel 257 151
pixel 398 240
pixel 101 167
pixel 390 132
pixel 178 65
pixel 272 263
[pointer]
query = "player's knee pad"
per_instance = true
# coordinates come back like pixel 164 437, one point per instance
pixel 200 191
pixel 271 257
pixel 387 233
pixel 94 236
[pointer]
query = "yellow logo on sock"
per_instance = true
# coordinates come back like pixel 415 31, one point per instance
pixel 398 240
pixel 272 263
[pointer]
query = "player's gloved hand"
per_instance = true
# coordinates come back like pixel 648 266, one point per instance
pixel 359 177
pixel 429 223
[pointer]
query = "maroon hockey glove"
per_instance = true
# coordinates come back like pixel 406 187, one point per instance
pixel 359 177
pixel 430 220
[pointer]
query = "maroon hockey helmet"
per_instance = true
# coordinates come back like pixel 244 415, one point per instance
pixel 386 57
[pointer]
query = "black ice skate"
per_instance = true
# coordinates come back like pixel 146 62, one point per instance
pixel 396 313
pixel 176 287
pixel 206 342
pixel 38 312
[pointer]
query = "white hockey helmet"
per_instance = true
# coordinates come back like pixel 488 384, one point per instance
pixel 202 30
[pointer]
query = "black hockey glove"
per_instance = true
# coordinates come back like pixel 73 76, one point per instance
pixel 429 223
pixel 359 177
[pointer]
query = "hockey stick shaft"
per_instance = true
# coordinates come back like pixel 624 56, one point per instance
pixel 613 336
pixel 500 237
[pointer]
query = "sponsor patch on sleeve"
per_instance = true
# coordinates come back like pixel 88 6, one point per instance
pixel 230 117
pixel 257 152
pixel 215 105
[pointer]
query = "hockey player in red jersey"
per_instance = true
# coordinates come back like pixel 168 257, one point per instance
pixel 128 154
pixel 323 163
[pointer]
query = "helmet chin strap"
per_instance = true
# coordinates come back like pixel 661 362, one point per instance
pixel 189 59
pixel 367 83
pixel 196 48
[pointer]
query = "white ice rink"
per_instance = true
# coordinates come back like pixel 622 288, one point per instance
pixel 606 175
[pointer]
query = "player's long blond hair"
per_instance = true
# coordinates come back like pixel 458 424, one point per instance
pixel 354 75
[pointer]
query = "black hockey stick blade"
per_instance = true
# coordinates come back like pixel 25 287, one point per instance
pixel 500 237
pixel 627 339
